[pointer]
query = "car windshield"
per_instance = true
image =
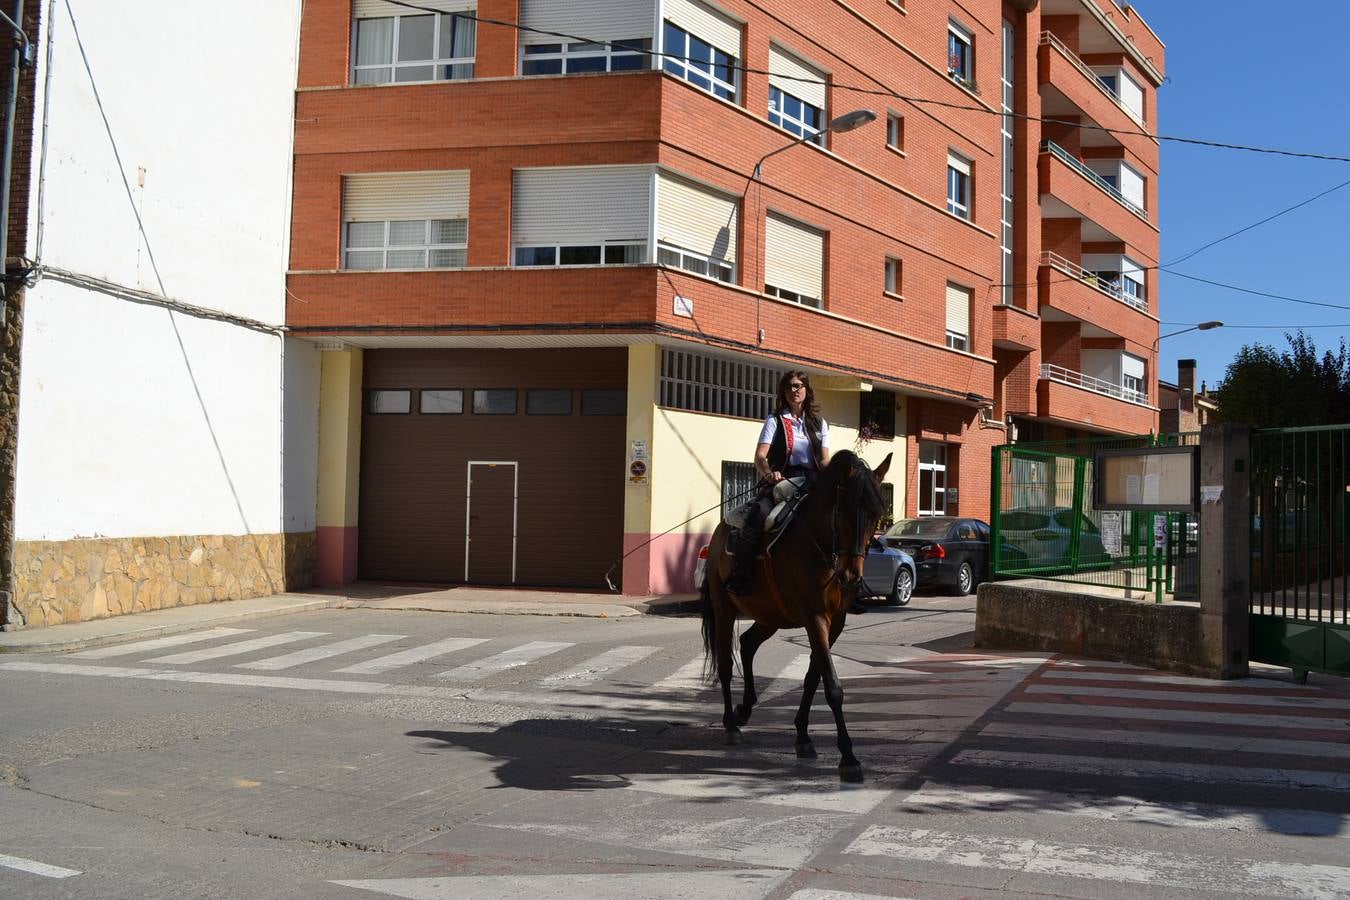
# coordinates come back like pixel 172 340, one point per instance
pixel 922 528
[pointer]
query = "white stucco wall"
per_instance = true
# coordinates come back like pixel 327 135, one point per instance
pixel 123 430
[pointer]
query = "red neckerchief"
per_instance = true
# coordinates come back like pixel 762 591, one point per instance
pixel 789 433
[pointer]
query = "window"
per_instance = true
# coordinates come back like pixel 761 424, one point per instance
pixel 738 485
pixel 796 96
pixel 958 317
pixel 958 185
pixel 548 403
pixel 1110 81
pixel 894 273
pixel 695 228
pixel 709 384
pixel 389 403
pixel 494 402
pixel 794 262
pixel 407 244
pixel 960 55
pixel 1132 378
pixel 441 402
pixel 700 63
pixel 876 414
pixel 575 58
pixel 932 479
pixel 435 47
pixel 412 220
pixel 581 216
pixel 895 131
pixel 1132 283
pixel 602 402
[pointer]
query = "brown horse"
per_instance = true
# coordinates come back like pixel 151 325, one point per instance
pixel 808 581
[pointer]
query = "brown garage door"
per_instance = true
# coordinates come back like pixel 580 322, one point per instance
pixel 569 461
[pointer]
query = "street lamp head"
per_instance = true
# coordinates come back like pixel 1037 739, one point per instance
pixel 1206 326
pixel 851 120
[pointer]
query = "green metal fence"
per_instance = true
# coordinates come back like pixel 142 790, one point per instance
pixel 1045 525
pixel 1300 534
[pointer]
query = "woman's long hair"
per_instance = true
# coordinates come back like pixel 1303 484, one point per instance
pixel 810 408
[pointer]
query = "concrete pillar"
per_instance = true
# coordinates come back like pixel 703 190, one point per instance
pixel 1225 551
pixel 339 467
pixel 644 376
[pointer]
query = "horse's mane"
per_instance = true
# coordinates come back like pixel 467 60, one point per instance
pixel 845 467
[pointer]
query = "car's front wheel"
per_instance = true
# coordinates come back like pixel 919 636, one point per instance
pixel 903 589
pixel 965 580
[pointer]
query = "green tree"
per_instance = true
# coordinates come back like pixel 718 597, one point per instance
pixel 1265 387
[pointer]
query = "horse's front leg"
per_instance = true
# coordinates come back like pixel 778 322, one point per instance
pixel 805 749
pixel 750 643
pixel 822 637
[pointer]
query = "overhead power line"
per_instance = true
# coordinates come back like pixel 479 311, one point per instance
pixel 882 92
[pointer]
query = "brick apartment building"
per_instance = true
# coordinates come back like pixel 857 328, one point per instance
pixel 553 297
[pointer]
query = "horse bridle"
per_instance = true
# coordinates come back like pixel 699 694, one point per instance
pixel 859 538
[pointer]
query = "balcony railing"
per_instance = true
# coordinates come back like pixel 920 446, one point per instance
pixel 1051 40
pixel 1090 383
pixel 1077 165
pixel 1112 288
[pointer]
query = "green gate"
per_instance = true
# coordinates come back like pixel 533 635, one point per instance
pixel 1300 518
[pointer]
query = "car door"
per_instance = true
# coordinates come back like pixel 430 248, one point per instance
pixel 982 550
pixel 966 541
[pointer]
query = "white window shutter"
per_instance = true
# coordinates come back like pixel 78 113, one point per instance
pixel 1131 96
pixel 958 162
pixel 794 257
pixel 580 205
pixel 372 9
pixel 1132 185
pixel 695 218
pixel 405 195
pixel 958 309
pixel 701 20
pixel 612 20
pixel 792 76
pixel 1131 366
pixel 1131 269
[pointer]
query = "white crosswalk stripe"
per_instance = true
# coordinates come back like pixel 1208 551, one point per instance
pixel 314 654
pixel 1163 715
pixel 507 659
pixel 1220 697
pixel 599 666
pixel 1219 875
pixel 238 648
pixel 688 678
pixel 411 656
pixel 173 640
pixel 789 677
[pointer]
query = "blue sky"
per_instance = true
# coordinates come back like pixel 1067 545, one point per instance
pixel 1252 73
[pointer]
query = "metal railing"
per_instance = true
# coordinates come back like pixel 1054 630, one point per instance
pixel 1047 38
pixel 1092 383
pixel 1112 288
pixel 1077 165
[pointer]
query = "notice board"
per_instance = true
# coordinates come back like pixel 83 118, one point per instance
pixel 1147 479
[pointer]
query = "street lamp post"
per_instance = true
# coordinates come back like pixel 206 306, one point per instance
pixel 847 122
pixel 1203 326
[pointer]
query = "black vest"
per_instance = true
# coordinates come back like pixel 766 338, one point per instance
pixel 778 453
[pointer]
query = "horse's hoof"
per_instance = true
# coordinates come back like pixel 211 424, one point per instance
pixel 806 750
pixel 742 713
pixel 851 774
pixel 733 736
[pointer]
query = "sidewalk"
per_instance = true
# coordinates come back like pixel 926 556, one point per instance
pixel 428 598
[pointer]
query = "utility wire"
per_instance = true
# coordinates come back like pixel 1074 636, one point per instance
pixel 884 92
pixel 1243 290
pixel 1255 224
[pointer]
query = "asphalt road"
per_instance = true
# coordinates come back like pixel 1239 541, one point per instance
pixel 365 753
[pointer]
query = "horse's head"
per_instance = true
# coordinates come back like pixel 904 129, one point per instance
pixel 854 489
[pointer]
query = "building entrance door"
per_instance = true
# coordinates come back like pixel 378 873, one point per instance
pixel 490 522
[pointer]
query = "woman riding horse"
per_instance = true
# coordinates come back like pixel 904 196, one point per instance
pixel 809 581
pixel 793 444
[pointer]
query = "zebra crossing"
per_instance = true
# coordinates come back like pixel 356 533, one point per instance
pixel 1090 771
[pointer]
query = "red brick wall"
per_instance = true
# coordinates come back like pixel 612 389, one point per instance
pixel 21 167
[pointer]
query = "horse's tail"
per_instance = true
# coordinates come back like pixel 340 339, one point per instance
pixel 709 630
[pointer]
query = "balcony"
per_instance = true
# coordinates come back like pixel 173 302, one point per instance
pixel 1102 184
pixel 1049 40
pixel 1082 401
pixel 1112 289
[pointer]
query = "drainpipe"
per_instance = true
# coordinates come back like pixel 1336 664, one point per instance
pixel 18 59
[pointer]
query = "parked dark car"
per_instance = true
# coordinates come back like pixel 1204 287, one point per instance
pixel 889 573
pixel 949 552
